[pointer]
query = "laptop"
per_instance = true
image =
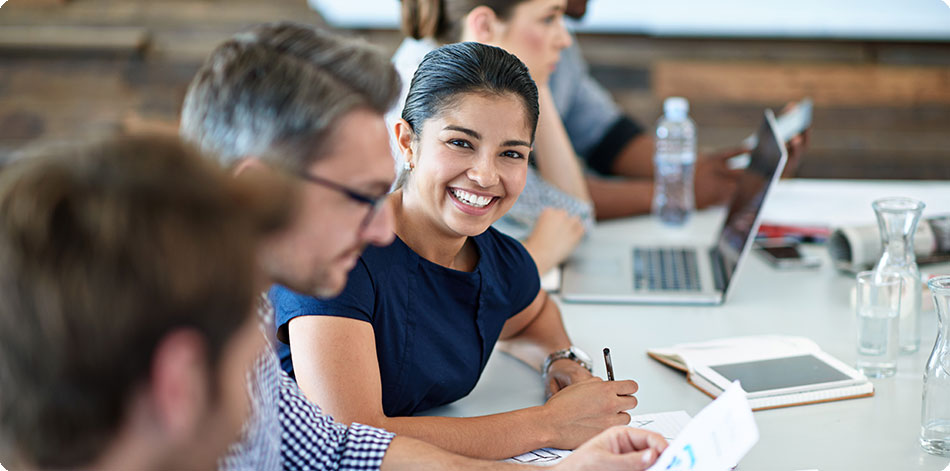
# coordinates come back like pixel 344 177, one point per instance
pixel 659 274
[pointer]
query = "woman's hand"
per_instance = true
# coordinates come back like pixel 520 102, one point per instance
pixel 563 373
pixel 584 409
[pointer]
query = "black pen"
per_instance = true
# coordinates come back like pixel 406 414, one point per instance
pixel 610 365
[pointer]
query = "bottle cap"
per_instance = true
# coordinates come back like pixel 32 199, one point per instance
pixel 676 108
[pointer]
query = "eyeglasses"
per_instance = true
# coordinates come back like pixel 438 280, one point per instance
pixel 375 203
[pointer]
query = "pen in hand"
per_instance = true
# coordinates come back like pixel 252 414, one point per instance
pixel 610 365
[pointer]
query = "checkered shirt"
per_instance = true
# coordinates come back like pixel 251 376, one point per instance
pixel 286 431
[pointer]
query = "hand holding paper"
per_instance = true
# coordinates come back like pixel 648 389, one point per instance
pixel 665 424
pixel 716 439
pixel 617 448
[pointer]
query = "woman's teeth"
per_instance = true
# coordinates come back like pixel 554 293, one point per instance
pixel 470 198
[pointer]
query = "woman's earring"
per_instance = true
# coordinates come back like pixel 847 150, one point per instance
pixel 407 166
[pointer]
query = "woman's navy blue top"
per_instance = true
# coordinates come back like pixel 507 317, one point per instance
pixel 435 327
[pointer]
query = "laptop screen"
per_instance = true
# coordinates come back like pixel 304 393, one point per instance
pixel 766 162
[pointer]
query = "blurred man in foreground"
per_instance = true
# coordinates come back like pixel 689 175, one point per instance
pixel 127 274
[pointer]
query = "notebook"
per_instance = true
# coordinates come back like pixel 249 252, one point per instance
pixel 699 274
pixel 775 371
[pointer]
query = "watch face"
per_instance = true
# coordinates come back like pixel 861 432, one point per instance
pixel 581 355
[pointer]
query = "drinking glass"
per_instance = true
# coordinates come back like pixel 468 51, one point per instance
pixel 877 305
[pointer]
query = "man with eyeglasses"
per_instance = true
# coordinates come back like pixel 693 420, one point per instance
pixel 303 104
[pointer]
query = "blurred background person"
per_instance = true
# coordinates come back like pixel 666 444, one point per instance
pixel 616 146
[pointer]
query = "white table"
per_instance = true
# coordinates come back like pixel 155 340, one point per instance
pixel 878 433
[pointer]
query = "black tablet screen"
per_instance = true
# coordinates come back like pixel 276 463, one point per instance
pixel 778 373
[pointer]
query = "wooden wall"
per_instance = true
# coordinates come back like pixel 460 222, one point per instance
pixel 882 109
pixel 73 68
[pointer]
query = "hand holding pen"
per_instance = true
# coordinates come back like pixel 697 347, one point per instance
pixel 610 365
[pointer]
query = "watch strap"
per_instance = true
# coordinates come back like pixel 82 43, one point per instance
pixel 568 354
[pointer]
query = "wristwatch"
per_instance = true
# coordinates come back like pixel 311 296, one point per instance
pixel 572 353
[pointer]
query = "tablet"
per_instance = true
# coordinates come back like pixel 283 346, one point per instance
pixel 788 124
pixel 785 375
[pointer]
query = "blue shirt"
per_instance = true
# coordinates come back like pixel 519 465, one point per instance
pixel 434 327
pixel 595 124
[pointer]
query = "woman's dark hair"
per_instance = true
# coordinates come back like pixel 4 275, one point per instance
pixel 469 67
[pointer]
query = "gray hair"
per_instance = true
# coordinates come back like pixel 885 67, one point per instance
pixel 276 91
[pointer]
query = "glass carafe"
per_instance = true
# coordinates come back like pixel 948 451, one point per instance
pixel 935 410
pixel 897 220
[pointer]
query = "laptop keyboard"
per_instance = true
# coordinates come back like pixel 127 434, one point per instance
pixel 665 269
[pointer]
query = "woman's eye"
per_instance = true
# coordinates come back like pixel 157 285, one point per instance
pixel 549 19
pixel 512 154
pixel 460 143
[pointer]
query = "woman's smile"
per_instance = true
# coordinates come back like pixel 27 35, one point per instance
pixel 471 202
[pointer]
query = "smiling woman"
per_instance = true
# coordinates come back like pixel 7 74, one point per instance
pixel 418 319
pixel 469 164
pixel 479 128
pixel 551 215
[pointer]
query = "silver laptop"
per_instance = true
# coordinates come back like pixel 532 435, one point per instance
pixel 682 274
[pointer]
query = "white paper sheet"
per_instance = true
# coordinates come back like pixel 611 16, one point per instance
pixel 719 436
pixel 668 424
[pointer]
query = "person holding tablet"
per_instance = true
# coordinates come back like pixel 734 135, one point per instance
pixel 619 149
pixel 418 319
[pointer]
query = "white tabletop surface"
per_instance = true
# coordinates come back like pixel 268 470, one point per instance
pixel 837 19
pixel 878 433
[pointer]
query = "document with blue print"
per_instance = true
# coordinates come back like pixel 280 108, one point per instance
pixel 716 439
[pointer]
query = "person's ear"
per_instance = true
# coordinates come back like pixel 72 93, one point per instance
pixel 180 383
pixel 249 164
pixel 482 25
pixel 405 139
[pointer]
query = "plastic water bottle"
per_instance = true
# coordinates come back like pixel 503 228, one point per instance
pixel 674 161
